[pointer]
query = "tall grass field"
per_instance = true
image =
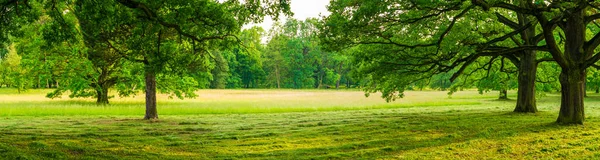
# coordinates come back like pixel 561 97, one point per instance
pixel 293 124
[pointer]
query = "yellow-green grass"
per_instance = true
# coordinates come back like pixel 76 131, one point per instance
pixel 33 103
pixel 484 128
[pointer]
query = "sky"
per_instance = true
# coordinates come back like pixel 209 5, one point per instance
pixel 302 9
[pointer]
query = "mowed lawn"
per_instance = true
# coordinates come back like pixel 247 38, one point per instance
pixel 293 124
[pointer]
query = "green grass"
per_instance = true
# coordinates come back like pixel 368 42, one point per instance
pixel 33 103
pixel 287 124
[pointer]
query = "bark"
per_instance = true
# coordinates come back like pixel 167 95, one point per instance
pixel 503 94
pixel 526 93
pixel 151 111
pixel 572 76
pixel 102 95
pixel 571 107
pixel 527 71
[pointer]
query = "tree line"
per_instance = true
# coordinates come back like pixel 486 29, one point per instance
pixel 178 46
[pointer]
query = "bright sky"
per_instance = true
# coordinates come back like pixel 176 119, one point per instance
pixel 302 9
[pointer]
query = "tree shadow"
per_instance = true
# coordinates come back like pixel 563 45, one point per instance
pixel 392 133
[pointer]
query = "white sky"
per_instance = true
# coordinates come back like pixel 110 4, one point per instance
pixel 302 10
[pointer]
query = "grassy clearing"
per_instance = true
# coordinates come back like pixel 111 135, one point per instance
pixel 220 102
pixel 483 130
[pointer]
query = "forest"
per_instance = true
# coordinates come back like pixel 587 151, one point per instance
pixel 516 66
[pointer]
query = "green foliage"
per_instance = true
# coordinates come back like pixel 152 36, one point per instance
pixel 245 63
pixel 593 80
pixel 11 71
pixel 489 74
pixel 14 14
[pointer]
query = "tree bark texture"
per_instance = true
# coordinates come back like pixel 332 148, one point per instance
pixel 571 107
pixel 102 95
pixel 151 111
pixel 572 76
pixel 526 94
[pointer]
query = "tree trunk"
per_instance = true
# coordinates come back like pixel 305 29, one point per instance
pixel 527 70
pixel 526 93
pixel 571 107
pixel 321 80
pixel 151 112
pixel 572 76
pixel 339 71
pixel 337 83
pixel 102 95
pixel 277 76
pixel 597 89
pixel 503 94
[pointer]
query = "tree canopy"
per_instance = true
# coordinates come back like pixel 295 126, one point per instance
pixel 407 41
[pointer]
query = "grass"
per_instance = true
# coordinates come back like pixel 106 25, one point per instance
pixel 287 124
pixel 218 102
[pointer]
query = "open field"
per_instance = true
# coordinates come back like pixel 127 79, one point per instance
pixel 289 124
pixel 221 102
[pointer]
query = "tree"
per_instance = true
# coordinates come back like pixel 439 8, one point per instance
pixel 593 80
pixel 489 74
pixel 171 38
pixel 425 32
pixel 14 75
pixel 245 63
pixel 274 64
pixel 13 15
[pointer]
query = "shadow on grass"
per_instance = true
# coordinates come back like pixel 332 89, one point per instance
pixel 501 100
pixel 320 135
pixel 388 134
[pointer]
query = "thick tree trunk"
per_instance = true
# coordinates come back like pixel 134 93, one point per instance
pixel 597 89
pixel 571 107
pixel 526 92
pixel 572 76
pixel 102 96
pixel 527 70
pixel 503 94
pixel 151 112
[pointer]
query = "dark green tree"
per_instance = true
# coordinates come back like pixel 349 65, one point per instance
pixel 451 41
pixel 172 38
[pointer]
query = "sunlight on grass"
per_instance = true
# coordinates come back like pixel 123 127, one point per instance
pixel 33 103
pixel 265 124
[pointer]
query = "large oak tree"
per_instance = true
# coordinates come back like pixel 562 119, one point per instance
pixel 166 36
pixel 416 39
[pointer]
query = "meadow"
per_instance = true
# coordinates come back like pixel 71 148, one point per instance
pixel 293 124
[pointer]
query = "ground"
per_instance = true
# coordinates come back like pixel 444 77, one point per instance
pixel 291 124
